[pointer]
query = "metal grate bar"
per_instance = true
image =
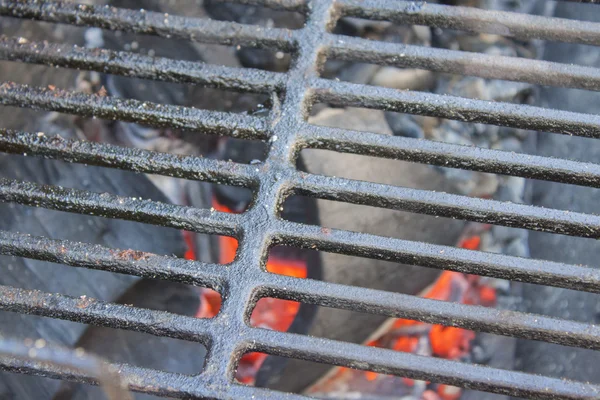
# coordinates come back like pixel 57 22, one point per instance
pixel 407 199
pixel 145 380
pixel 379 360
pixel 142 112
pixel 475 20
pixel 340 296
pixel 534 271
pixel 165 324
pixel 138 378
pixel 91 311
pixel 344 48
pixel 349 49
pixel 501 322
pixel 149 22
pixel 112 206
pixel 457 108
pixel 436 256
pixel 419 367
pixel 129 262
pixel 449 205
pixel 464 63
pixel 140 66
pixel 424 151
pixel 132 159
pixel 451 155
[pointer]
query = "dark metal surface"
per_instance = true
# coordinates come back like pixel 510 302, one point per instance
pixel 244 281
pixel 77 360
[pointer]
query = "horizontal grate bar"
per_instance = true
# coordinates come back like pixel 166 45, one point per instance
pixel 136 263
pixel 323 293
pixel 413 200
pixel 457 108
pixel 131 159
pixel 140 66
pixel 99 313
pixel 464 63
pixel 450 155
pixel 420 367
pixel 112 206
pixel 91 311
pixel 58 356
pixel 449 205
pixel 396 305
pixel 141 112
pixel 436 256
pixel 323 350
pixel 474 20
pixel 145 380
pixel 139 379
pixel 152 23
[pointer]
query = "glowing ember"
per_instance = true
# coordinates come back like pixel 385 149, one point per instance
pixel 419 338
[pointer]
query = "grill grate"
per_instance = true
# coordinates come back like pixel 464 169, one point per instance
pixel 243 282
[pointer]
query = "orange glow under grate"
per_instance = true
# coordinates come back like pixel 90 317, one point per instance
pixel 401 335
pixel 269 313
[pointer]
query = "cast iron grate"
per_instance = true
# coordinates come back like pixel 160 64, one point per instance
pixel 244 281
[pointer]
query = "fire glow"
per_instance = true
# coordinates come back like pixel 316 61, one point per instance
pixel 399 334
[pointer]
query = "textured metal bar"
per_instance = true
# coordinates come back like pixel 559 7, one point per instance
pixel 112 206
pixel 91 311
pixel 140 66
pixel 421 368
pixel 464 63
pixel 436 256
pixel 132 159
pixel 152 23
pixel 474 20
pixel 450 155
pixel 61 357
pixel 457 108
pixel 449 205
pixel 396 305
pixel 148 381
pixel 131 262
pixel 141 112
